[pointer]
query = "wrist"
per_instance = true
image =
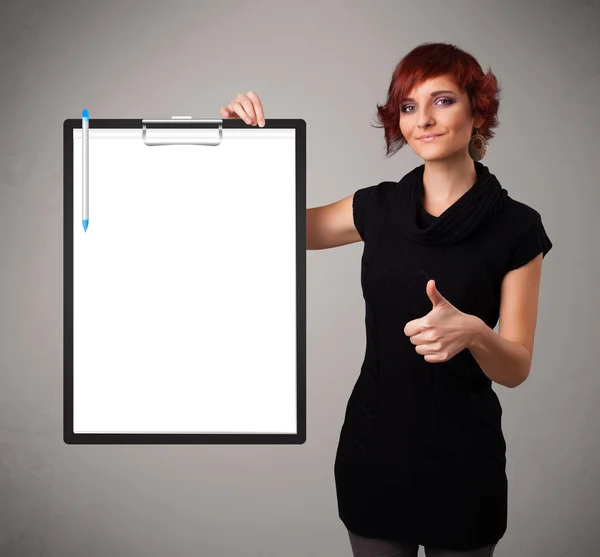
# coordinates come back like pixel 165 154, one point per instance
pixel 475 329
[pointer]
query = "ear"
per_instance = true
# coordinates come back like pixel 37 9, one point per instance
pixel 478 122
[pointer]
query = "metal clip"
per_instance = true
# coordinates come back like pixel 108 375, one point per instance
pixel 185 122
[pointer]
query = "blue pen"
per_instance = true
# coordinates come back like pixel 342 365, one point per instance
pixel 85 129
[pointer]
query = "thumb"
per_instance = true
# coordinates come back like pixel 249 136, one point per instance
pixel 434 295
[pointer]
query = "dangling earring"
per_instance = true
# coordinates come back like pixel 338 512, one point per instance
pixel 477 146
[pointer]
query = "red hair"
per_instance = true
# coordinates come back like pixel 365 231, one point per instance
pixel 429 60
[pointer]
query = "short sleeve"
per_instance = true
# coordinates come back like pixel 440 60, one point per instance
pixel 530 245
pixel 362 203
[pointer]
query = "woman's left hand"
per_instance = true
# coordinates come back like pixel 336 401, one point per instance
pixel 444 331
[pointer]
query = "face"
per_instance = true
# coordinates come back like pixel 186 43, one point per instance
pixel 446 114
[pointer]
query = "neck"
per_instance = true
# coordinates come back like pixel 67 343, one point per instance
pixel 446 180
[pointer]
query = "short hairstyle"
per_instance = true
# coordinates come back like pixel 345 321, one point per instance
pixel 429 60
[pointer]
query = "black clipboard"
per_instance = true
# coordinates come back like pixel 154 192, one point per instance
pixel 72 126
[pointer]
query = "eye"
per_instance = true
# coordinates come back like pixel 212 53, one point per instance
pixel 450 101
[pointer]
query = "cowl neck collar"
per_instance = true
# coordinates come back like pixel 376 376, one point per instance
pixel 458 221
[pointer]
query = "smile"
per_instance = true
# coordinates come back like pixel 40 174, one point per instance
pixel 428 138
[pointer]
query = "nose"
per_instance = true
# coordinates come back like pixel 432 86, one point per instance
pixel 425 118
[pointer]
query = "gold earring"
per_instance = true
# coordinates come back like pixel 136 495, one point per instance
pixel 477 146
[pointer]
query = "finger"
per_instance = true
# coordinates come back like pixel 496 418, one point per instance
pixel 427 350
pixel 424 349
pixel 258 108
pixel 413 328
pixel 248 108
pixel 225 111
pixel 426 336
pixel 229 111
pixel 434 359
pixel 237 110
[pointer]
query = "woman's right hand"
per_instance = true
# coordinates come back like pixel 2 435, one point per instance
pixel 247 107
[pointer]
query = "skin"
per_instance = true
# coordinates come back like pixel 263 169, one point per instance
pixel 449 173
pixel 449 170
pixel 505 357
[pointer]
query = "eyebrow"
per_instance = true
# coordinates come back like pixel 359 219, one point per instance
pixel 432 95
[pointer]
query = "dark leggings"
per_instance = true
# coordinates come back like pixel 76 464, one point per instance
pixel 375 547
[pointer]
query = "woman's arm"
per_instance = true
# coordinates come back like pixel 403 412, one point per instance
pixel 505 357
pixel 331 226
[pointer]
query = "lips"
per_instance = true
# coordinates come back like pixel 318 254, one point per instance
pixel 430 138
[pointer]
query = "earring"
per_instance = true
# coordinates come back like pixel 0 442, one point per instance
pixel 477 146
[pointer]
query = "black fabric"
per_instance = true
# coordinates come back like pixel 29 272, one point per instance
pixel 533 242
pixel 421 454
pixel 424 219
pixel 478 204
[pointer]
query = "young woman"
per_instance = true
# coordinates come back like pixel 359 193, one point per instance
pixel 421 458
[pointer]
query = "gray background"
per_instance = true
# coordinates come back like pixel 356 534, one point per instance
pixel 328 63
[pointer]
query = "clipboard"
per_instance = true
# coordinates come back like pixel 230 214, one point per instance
pixel 185 292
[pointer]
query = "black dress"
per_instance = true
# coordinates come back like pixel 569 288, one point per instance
pixel 421 453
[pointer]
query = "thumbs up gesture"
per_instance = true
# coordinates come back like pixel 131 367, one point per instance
pixel 443 332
